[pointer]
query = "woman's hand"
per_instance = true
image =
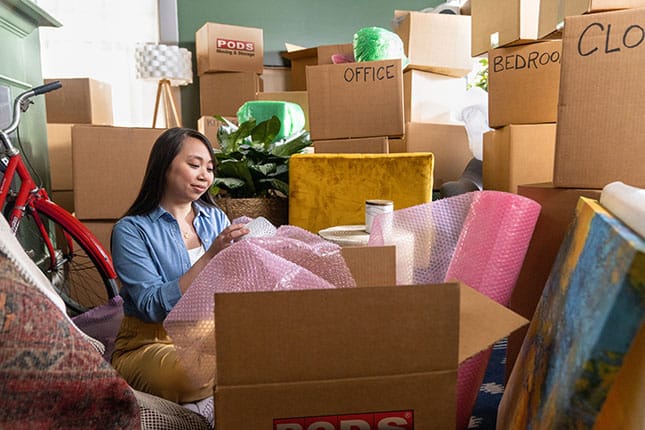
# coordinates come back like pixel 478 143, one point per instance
pixel 230 234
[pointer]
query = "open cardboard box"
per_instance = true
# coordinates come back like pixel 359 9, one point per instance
pixel 371 356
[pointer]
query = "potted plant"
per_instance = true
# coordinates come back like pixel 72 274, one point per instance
pixel 252 172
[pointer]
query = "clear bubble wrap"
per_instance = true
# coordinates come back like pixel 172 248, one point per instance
pixel 292 259
pixel 478 238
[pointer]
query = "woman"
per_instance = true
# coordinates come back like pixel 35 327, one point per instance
pixel 165 239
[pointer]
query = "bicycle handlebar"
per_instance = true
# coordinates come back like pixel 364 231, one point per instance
pixel 42 89
pixel 21 99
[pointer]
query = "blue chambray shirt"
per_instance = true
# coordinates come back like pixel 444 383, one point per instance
pixel 150 256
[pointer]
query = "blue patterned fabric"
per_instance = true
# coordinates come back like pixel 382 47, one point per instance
pixel 484 415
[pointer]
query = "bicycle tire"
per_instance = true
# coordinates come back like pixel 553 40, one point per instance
pixel 77 277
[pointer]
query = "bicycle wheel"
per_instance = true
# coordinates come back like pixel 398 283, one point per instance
pixel 75 275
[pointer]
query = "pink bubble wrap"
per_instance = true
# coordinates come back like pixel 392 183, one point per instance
pixel 293 259
pixel 478 238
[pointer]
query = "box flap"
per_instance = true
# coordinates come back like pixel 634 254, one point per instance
pixel 295 52
pixel 300 53
pixel 291 47
pixel 310 335
pixel 371 266
pixel 482 322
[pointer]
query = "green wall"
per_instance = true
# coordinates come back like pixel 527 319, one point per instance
pixel 301 22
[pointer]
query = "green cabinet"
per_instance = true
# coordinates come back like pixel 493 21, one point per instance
pixel 20 69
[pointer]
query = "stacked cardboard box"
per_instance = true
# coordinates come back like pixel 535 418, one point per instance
pixel 230 60
pixel 96 168
pixel 596 140
pixel 429 90
pixel 301 58
pixel 523 81
pixel 355 107
pixel 78 101
pixel 435 88
pixel 600 109
pixel 108 167
pixel 522 110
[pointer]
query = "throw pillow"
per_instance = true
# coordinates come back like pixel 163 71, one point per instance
pixel 50 375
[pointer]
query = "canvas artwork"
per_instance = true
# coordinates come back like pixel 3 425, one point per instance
pixel 591 309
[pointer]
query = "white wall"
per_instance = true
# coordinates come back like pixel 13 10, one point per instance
pixel 97 40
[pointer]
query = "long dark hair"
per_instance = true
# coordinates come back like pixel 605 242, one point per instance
pixel 164 150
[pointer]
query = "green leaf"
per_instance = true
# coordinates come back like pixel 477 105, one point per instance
pixel 265 169
pixel 251 163
pixel 266 131
pixel 229 183
pixel 292 145
pixel 279 185
pixel 242 133
pixel 236 169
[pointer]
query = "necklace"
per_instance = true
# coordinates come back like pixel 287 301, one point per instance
pixel 187 235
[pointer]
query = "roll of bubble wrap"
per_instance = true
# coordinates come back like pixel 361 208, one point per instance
pixel 478 238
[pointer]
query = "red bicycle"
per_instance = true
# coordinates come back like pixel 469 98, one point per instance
pixel 78 266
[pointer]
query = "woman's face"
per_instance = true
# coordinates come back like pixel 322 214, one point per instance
pixel 191 172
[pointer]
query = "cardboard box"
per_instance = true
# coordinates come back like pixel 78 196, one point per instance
pixel 64 199
pixel 365 145
pixel 355 100
pixel 208 126
pixel 600 108
pixel 276 79
pixel 224 93
pixel 298 97
pixel 552 12
pixel 80 101
pixel 448 143
pixel 343 360
pixel 395 145
pixel 302 58
pixel 109 164
pixel 229 48
pixel 499 23
pixel 523 84
pixel 438 43
pixel 516 155
pixel 59 146
pixel 430 97
pixel 371 266
pixel 102 230
pixel 558 211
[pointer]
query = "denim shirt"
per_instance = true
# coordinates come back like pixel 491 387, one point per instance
pixel 150 256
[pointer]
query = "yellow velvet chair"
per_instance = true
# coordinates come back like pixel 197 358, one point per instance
pixel 327 190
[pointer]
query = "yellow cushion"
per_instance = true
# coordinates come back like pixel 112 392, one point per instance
pixel 330 189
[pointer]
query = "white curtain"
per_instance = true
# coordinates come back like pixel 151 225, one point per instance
pixel 97 40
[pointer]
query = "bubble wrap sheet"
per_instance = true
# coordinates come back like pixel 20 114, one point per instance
pixel 478 238
pixel 292 259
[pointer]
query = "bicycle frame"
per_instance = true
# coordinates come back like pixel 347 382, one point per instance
pixel 34 199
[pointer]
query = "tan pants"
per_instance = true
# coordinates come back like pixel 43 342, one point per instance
pixel 145 356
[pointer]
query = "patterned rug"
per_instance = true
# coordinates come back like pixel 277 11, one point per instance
pixel 484 416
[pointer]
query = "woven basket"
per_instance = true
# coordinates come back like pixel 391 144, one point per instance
pixel 274 209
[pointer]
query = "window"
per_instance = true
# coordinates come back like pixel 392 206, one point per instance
pixel 97 40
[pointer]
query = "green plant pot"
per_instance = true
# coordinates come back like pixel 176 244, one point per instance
pixel 275 209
